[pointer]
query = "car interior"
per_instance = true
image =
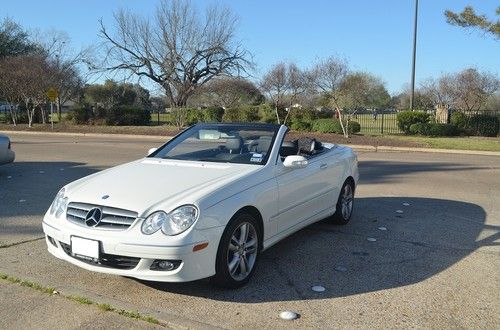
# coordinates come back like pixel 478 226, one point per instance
pixel 304 146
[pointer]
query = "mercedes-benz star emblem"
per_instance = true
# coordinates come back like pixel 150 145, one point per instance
pixel 93 218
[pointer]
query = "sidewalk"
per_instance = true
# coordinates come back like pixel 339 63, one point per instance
pixel 36 310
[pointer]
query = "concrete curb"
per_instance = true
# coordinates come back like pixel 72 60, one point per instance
pixel 366 148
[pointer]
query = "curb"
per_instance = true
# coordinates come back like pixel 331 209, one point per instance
pixel 356 147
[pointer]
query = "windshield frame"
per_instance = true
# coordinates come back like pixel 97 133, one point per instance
pixel 274 128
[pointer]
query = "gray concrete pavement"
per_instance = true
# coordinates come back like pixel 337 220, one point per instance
pixel 437 265
pixel 25 308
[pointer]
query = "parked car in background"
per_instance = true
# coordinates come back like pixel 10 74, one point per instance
pixel 205 204
pixel 7 155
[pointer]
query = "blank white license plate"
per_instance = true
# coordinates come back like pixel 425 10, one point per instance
pixel 85 247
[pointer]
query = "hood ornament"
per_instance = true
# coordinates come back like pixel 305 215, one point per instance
pixel 105 197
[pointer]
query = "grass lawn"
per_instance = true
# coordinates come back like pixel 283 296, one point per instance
pixel 459 143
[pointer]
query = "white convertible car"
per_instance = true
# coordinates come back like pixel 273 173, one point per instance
pixel 205 204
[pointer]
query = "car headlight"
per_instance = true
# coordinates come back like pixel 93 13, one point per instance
pixel 173 223
pixel 59 204
pixel 153 223
pixel 180 220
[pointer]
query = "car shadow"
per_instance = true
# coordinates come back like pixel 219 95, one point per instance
pixel 429 236
pixel 28 188
pixel 376 171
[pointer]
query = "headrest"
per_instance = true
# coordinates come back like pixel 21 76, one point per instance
pixel 289 144
pixel 263 144
pixel 307 145
pixel 233 143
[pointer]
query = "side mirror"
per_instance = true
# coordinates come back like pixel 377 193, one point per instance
pixel 150 151
pixel 295 161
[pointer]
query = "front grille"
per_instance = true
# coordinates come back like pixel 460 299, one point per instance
pixel 112 218
pixel 105 260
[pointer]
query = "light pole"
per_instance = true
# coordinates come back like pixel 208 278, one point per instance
pixel 412 95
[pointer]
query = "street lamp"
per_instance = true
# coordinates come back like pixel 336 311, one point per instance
pixel 412 95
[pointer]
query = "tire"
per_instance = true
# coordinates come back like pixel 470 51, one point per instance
pixel 345 204
pixel 238 253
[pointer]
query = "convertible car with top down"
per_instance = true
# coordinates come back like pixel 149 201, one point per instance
pixel 205 204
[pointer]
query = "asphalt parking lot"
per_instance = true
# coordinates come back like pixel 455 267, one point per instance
pixel 436 264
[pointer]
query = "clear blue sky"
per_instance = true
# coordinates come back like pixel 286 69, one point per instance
pixel 375 36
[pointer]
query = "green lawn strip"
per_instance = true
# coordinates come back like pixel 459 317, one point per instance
pixel 81 300
pixel 456 143
pixel 27 284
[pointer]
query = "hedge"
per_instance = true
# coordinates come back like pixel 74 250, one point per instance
pixel 333 126
pixel 213 114
pixel 241 114
pixel 118 115
pixel 407 118
pixel 434 129
pixel 127 115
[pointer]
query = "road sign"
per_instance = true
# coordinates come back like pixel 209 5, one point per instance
pixel 52 94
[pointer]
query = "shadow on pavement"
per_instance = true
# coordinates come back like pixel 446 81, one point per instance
pixel 375 171
pixel 427 238
pixel 28 188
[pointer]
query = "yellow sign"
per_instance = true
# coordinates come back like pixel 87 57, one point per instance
pixel 52 94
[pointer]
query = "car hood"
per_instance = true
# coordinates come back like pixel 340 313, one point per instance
pixel 150 184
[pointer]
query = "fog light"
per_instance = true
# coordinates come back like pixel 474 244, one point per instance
pixel 165 265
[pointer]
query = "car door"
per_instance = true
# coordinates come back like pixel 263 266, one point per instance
pixel 304 193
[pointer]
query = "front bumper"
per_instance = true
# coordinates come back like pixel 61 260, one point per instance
pixel 137 251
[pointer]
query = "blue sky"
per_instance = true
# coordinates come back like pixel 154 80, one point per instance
pixel 375 36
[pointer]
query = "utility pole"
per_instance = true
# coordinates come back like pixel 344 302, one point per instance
pixel 412 95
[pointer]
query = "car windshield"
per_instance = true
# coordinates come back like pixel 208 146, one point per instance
pixel 221 143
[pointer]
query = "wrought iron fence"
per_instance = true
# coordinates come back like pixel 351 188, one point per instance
pixel 385 121
pixel 378 122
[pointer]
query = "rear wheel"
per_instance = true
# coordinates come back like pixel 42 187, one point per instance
pixel 238 252
pixel 345 204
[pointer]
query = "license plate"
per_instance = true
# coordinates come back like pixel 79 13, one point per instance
pixel 85 247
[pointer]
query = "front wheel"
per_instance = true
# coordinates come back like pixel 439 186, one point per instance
pixel 345 204
pixel 238 252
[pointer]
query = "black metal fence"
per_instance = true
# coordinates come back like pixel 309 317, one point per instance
pixel 378 122
pixel 385 121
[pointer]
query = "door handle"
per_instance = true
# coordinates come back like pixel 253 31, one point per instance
pixel 323 166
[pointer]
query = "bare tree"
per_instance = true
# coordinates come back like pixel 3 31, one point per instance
pixel 471 89
pixel 30 78
pixel 275 84
pixel 177 48
pixel 466 90
pixel 66 65
pixel 326 77
pixel 439 91
pixel 9 86
pixel 297 85
pixel 360 90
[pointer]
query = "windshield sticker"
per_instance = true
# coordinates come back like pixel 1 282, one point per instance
pixel 256 158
